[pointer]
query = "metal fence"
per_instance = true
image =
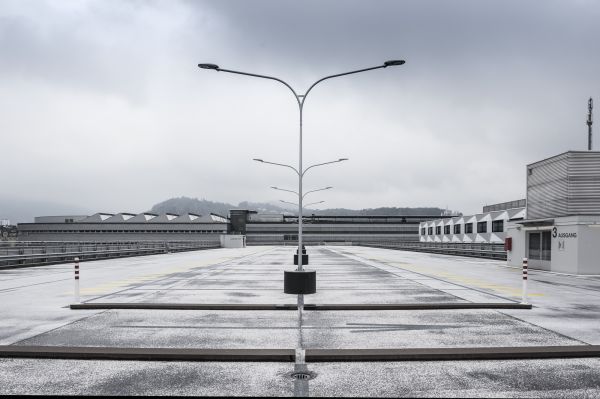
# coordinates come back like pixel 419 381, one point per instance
pixel 477 250
pixel 36 253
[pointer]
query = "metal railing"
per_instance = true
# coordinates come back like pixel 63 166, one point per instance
pixel 36 253
pixel 477 250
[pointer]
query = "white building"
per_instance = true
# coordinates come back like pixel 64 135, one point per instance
pixel 557 227
pixel 562 229
pixel 488 227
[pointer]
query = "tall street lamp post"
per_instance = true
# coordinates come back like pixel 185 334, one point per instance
pixel 300 99
pixel 300 282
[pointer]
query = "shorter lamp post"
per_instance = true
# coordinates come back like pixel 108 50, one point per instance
pixel 300 195
pixel 301 258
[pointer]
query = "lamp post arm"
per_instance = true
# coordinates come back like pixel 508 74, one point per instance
pixel 283 189
pixel 288 202
pixel 293 203
pixel 319 164
pixel 338 75
pixel 281 164
pixel 312 191
pixel 264 77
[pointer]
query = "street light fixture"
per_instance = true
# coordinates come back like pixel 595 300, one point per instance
pixel 208 66
pixel 389 63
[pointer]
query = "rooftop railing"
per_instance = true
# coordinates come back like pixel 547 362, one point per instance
pixel 477 250
pixel 36 253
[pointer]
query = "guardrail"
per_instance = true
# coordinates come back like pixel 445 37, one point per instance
pixel 37 253
pixel 476 250
pixel 295 243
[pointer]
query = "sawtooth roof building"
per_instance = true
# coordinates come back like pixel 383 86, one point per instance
pixel 124 227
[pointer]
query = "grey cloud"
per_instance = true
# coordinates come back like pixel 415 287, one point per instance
pixel 488 87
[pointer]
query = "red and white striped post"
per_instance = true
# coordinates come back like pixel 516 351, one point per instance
pixel 524 281
pixel 77 298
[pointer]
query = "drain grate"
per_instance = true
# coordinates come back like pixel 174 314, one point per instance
pixel 302 376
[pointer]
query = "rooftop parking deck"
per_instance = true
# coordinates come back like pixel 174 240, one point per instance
pixel 436 291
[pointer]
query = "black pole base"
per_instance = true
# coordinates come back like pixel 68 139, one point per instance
pixel 300 282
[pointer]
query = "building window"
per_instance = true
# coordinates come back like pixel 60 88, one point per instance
pixel 468 228
pixel 430 230
pixel 457 229
pixel 482 227
pixel 447 229
pixel 423 231
pixel 438 230
pixel 540 246
pixel 497 226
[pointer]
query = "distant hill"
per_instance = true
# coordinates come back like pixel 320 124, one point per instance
pixel 193 205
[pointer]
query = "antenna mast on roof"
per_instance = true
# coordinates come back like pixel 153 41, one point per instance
pixel 589 123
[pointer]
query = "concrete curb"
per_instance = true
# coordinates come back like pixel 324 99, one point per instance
pixel 385 306
pixel 440 354
pixel 152 354
pixel 288 355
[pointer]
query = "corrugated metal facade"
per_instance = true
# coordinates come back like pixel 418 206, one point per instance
pixel 363 232
pixel 567 184
pixel 584 183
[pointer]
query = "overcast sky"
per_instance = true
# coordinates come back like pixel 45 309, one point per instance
pixel 103 107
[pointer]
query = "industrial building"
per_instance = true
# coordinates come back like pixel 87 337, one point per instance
pixel 557 226
pixel 257 228
pixel 108 227
pixel 562 230
pixel 488 227
pixel 282 229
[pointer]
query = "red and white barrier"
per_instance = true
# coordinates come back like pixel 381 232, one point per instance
pixel 77 297
pixel 524 281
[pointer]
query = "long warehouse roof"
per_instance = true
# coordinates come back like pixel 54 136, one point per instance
pixel 145 217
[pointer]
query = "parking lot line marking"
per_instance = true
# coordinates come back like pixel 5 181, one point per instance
pixel 456 278
pixel 112 285
pixel 108 287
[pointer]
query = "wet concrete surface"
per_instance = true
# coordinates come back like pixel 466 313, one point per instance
pixel 320 329
pixel 35 314
pixel 260 280
pixel 551 378
pixel 566 304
